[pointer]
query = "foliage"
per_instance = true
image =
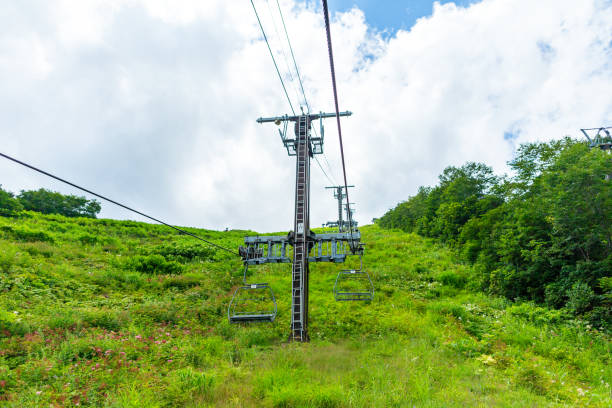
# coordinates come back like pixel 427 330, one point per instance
pixel 94 318
pixel 50 202
pixel 9 205
pixel 544 234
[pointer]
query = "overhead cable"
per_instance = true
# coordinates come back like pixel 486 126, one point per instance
pixel 273 59
pixel 283 53
pixel 115 202
pixel 293 56
pixel 333 76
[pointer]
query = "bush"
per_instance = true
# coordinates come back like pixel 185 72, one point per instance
pixel 87 239
pixel 153 264
pixel 536 314
pixel 9 205
pixel 453 279
pixel 185 252
pixel 25 234
pixel 580 298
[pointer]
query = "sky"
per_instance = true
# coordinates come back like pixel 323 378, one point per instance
pixel 388 16
pixel 153 102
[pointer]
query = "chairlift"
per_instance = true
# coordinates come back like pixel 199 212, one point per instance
pixel 354 284
pixel 252 302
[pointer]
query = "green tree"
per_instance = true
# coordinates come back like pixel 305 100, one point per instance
pixel 8 203
pixel 50 202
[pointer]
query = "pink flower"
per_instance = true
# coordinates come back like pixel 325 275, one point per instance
pixel 138 336
pixel 170 361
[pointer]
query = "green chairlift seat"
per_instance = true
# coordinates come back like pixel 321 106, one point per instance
pixel 252 302
pixel 353 284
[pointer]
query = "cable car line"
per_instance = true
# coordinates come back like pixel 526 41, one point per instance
pixel 293 56
pixel 333 76
pixel 284 54
pixel 297 70
pixel 321 167
pixel 116 203
pixel 273 59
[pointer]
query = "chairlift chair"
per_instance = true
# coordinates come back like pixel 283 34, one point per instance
pixel 252 302
pixel 353 284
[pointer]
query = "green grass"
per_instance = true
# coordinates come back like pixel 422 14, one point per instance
pixel 125 314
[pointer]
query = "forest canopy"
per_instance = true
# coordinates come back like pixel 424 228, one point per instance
pixel 542 234
pixel 48 202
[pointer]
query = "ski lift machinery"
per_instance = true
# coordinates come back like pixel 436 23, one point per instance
pixel 307 245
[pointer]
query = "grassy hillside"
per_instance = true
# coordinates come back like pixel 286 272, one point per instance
pixel 126 314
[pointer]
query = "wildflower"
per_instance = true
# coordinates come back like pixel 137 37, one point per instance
pixel 107 352
pixel 170 360
pixel 38 392
pixel 138 337
pixel 580 391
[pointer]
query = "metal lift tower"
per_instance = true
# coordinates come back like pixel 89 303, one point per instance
pixel 339 195
pixel 307 246
pixel 601 138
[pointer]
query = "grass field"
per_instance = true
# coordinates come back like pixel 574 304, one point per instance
pixel 125 314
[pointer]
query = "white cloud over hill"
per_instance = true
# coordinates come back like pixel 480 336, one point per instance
pixel 154 102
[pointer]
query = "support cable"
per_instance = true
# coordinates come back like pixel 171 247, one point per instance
pixel 321 167
pixel 333 76
pixel 297 70
pixel 115 202
pixel 283 53
pixel 273 59
pixel 293 57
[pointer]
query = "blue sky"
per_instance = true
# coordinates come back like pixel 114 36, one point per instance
pixel 391 15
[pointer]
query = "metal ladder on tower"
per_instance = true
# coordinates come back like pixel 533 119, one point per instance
pixel 299 305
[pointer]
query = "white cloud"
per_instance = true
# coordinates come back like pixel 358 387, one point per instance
pixel 154 102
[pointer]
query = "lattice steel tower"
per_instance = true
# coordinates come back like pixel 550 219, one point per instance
pixel 303 146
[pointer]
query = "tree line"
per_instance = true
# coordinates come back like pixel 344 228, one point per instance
pixel 542 234
pixel 47 202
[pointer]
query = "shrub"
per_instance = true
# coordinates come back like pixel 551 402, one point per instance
pixel 580 298
pixel 153 264
pixel 533 379
pixel 453 279
pixel 536 314
pixel 87 239
pixel 11 324
pixel 7 259
pixel 185 252
pixel 9 205
pixel 25 234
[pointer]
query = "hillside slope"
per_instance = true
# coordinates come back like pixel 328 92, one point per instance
pixel 127 314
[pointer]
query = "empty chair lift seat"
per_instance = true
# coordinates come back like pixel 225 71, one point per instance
pixel 252 302
pixel 353 284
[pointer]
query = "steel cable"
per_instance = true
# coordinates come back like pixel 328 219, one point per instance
pixel 333 76
pixel 115 202
pixel 273 59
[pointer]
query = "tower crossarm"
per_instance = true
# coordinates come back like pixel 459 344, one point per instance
pixel 326 247
pixel 313 116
